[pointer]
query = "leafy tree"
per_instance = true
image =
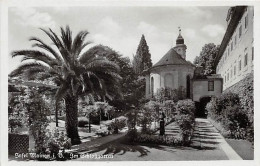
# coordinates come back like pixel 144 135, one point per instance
pixel 132 85
pixel 74 71
pixel 142 59
pixel 207 58
pixel 196 60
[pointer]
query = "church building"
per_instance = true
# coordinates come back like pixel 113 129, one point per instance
pixel 175 72
pixel 171 71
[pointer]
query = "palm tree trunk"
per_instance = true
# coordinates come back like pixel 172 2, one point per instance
pixel 72 119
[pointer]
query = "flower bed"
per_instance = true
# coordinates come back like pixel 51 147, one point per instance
pixel 155 139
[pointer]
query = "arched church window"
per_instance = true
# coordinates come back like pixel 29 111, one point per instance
pixel 152 86
pixel 188 86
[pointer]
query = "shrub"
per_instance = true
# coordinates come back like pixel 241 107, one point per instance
pixel 38 120
pixel 155 139
pixel 131 124
pixel 245 91
pixel 118 124
pixel 102 132
pixel 82 121
pixel 169 108
pixel 14 122
pixel 95 118
pixel 167 93
pixel 226 109
pixel 57 140
pixel 185 119
pixel 145 119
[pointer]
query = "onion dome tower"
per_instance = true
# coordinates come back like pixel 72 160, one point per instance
pixel 180 47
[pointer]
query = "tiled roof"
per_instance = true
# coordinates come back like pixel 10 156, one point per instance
pixel 172 58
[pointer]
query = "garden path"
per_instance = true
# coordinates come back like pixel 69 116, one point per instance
pixel 207 144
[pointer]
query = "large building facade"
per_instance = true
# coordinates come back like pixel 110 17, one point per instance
pixel 235 59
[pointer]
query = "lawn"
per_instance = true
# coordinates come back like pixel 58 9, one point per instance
pixel 243 148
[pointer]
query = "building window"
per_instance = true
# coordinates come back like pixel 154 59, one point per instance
pixel 231 46
pixel 231 73
pixel 245 61
pixel 246 21
pixel 234 70
pixel 210 85
pixel 239 65
pixel 228 76
pixel 240 31
pixel 225 79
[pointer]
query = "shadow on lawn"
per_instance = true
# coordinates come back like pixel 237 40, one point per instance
pixel 120 147
pixel 205 141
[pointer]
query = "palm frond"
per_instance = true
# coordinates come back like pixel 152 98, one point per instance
pixel 91 76
pixel 28 66
pixel 56 40
pixel 65 53
pixel 66 38
pixel 35 55
pixel 91 53
pixel 78 43
pixel 44 46
pixel 53 37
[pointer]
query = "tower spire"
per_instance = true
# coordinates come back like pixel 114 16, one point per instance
pixel 180 39
pixel 180 47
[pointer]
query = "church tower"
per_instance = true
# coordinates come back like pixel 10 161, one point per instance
pixel 180 47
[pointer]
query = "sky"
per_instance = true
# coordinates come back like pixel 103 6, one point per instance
pixel 121 28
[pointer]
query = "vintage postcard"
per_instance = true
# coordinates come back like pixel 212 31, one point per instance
pixel 127 81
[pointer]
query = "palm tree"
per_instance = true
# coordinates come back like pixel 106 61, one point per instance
pixel 77 73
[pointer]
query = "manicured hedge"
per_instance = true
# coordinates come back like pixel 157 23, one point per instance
pixel 155 139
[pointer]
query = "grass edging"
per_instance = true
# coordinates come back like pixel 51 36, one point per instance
pixel 243 148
